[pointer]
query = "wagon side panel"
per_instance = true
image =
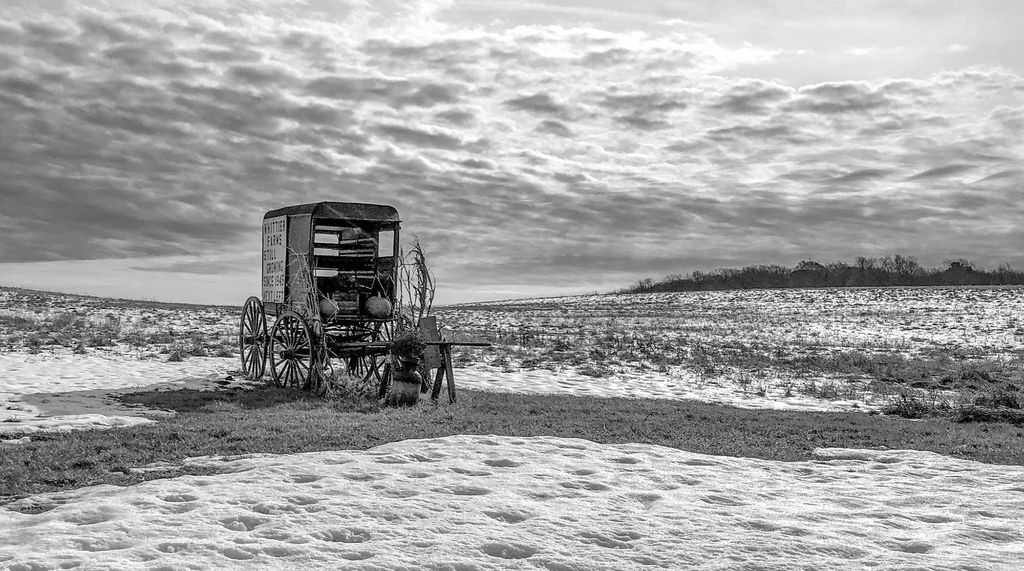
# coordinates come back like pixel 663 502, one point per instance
pixel 299 279
pixel 275 261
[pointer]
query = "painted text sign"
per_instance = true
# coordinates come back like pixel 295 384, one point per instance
pixel 275 243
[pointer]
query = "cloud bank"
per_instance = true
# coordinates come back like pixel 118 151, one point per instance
pixel 524 157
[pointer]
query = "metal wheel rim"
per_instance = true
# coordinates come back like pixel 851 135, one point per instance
pixel 291 352
pixel 252 338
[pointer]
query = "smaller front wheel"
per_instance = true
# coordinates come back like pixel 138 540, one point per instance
pixel 252 338
pixel 292 353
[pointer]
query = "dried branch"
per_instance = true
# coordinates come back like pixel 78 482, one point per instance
pixel 416 285
pixel 309 308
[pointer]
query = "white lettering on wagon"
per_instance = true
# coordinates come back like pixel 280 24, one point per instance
pixel 275 243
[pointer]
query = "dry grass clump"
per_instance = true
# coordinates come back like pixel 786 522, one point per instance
pixel 995 404
pixel 199 345
pixel 337 386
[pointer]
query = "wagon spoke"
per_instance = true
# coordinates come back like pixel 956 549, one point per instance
pixel 289 375
pixel 280 366
pixel 302 368
pixel 255 356
pixel 282 373
pixel 286 333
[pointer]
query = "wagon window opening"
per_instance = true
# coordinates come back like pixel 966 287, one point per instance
pixel 386 244
pixel 321 238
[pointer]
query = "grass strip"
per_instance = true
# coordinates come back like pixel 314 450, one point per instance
pixel 270 420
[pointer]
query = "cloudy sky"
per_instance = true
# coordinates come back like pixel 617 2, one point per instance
pixel 536 147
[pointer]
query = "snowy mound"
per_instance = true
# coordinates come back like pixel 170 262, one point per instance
pixel 483 502
pixel 54 392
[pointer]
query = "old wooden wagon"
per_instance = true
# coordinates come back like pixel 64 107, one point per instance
pixel 330 283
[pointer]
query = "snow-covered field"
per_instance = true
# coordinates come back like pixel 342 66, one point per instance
pixel 479 502
pixel 475 502
pixel 730 347
pixel 965 321
pixel 788 349
pixel 63 385
pixel 977 321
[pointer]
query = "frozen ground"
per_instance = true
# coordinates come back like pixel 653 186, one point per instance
pixel 820 349
pixel 57 390
pixel 52 387
pixel 479 502
pixel 977 321
pixel 728 347
pixel 968 321
pixel 482 502
pixel 677 384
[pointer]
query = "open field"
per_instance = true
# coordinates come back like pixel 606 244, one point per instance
pixel 849 349
pixel 31 321
pixel 906 351
pixel 208 470
pixel 842 349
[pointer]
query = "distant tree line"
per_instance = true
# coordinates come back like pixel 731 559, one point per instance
pixel 888 271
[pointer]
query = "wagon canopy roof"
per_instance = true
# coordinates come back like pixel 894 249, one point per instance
pixel 340 210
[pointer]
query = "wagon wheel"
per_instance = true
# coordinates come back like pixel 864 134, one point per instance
pixel 292 352
pixel 252 338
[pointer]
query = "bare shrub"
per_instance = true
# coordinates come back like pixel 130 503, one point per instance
pixel 66 320
pixel 909 403
pixel 594 370
pixel 1000 397
pixel 340 386
pixel 416 286
pixel 972 413
pixel 761 387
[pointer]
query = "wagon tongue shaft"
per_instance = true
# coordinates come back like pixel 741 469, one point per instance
pixel 355 345
pixel 433 343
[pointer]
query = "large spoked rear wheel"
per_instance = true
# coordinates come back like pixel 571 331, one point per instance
pixel 292 352
pixel 252 338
